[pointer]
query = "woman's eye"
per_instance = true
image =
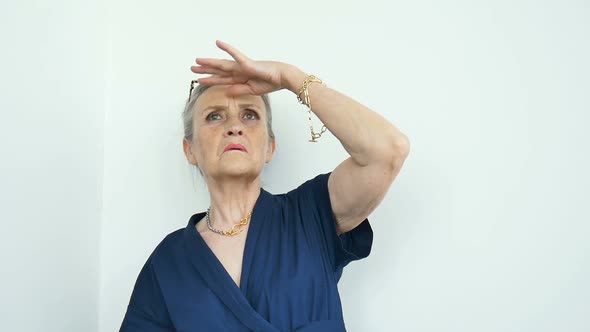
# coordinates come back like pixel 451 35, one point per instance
pixel 253 114
pixel 210 115
pixel 250 115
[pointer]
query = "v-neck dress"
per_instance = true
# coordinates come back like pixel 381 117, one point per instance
pixel 293 260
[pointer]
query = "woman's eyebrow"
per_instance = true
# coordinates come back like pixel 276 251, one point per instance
pixel 217 107
pixel 249 105
pixel 223 107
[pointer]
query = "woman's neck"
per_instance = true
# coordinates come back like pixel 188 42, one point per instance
pixel 231 201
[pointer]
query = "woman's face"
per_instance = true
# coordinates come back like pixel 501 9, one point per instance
pixel 220 120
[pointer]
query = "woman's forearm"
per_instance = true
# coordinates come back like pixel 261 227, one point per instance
pixel 364 134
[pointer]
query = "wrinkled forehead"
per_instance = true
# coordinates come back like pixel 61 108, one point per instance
pixel 216 96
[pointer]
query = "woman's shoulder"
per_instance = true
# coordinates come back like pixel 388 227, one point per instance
pixel 170 245
pixel 310 186
pixel 174 241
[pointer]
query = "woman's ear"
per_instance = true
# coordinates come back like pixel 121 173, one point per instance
pixel 186 146
pixel 270 151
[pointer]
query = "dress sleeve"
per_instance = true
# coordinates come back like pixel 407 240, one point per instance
pixel 147 311
pixel 318 219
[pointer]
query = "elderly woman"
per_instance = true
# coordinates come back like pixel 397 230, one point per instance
pixel 256 261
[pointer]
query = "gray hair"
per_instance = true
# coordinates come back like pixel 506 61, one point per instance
pixel 187 114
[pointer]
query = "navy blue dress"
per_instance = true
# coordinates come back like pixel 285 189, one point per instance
pixel 293 259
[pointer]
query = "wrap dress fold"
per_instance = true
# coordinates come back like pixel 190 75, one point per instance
pixel 293 260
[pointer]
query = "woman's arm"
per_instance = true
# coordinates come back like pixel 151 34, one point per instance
pixel 365 135
pixel 377 150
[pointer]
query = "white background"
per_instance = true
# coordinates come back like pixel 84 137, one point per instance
pixel 485 229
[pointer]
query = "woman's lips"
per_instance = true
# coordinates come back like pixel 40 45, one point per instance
pixel 238 147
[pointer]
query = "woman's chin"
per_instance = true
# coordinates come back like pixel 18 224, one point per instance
pixel 236 170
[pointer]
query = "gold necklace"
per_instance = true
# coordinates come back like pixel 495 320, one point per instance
pixel 235 230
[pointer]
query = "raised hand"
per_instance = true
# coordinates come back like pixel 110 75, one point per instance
pixel 246 76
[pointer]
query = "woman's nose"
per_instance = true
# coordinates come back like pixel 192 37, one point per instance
pixel 234 126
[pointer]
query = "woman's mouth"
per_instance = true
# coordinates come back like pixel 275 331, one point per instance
pixel 235 147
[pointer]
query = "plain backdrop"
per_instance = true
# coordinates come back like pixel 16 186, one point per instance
pixel 485 229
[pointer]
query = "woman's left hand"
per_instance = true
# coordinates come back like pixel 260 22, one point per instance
pixel 245 75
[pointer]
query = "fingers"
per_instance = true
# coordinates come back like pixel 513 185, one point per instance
pixel 217 80
pixel 207 70
pixel 237 55
pixel 222 64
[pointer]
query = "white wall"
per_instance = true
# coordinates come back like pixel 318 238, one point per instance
pixel 485 229
pixel 52 70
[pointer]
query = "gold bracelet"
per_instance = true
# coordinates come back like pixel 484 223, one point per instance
pixel 306 83
pixel 306 101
